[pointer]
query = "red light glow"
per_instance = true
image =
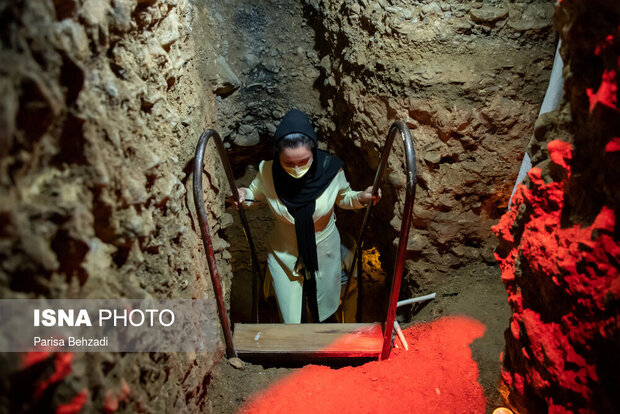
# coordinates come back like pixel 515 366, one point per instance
pixel 436 375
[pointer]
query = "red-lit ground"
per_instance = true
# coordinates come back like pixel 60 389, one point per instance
pixel 473 293
pixel 436 375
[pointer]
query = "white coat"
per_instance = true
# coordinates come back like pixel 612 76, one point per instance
pixel 282 244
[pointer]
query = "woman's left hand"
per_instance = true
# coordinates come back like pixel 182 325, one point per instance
pixel 366 195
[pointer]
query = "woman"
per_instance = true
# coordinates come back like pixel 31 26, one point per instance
pixel 301 186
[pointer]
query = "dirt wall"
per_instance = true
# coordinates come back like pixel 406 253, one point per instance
pixel 101 107
pixel 468 78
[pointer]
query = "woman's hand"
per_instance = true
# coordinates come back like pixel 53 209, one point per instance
pixel 365 196
pixel 242 195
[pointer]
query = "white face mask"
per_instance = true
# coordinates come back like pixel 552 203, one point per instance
pixel 300 171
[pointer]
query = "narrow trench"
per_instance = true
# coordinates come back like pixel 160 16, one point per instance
pixel 379 248
pixel 274 85
pixel 102 104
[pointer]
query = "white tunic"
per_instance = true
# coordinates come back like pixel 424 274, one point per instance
pixel 282 244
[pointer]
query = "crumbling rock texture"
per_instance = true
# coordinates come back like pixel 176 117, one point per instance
pixel 468 78
pixel 559 250
pixel 101 106
pixel 266 64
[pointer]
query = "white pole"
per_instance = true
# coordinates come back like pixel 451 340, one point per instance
pixel 399 332
pixel 414 300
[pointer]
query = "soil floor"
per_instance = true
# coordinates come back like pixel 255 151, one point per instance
pixel 464 325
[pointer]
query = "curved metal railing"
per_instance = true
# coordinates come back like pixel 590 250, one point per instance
pixel 404 231
pixel 206 237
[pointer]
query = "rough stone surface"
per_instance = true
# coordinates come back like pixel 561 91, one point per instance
pixel 488 14
pixel 559 250
pixel 269 48
pixel 100 111
pixel 468 86
pixel 223 79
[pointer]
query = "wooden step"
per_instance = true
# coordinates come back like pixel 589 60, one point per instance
pixel 308 340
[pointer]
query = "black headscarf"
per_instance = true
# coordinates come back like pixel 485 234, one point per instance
pixel 299 194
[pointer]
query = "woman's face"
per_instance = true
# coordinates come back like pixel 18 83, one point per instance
pixel 295 157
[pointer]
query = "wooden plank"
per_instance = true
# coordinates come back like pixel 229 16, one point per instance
pixel 319 340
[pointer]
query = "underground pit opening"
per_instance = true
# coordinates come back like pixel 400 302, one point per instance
pixel 294 77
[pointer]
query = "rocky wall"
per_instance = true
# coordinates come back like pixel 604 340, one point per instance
pixel 266 65
pixel 468 78
pixel 101 106
pixel 559 250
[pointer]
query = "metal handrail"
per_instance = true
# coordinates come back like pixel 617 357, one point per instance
pixel 402 245
pixel 404 231
pixel 206 237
